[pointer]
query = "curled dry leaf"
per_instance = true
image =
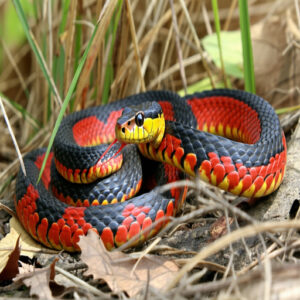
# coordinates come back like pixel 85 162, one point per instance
pixel 28 246
pixel 41 282
pixel 120 270
pixel 219 227
pixel 10 270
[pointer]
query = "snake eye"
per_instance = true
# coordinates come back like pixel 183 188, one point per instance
pixel 139 119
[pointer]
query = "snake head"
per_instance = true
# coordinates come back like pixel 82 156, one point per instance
pixel 143 123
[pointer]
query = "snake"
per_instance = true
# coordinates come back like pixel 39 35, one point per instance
pixel 231 139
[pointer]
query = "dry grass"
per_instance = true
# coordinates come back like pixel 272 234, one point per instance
pixel 148 50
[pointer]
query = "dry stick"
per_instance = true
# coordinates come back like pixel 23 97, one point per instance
pixel 12 137
pixel 145 18
pixel 197 276
pixel 243 240
pixel 100 75
pixel 268 270
pixel 69 45
pixel 235 210
pixel 135 45
pixel 272 253
pixel 143 43
pixel 230 263
pixel 14 65
pixel 48 11
pixel 224 204
pixel 197 42
pixel 167 250
pixel 9 84
pixel 144 253
pixel 102 23
pixel 297 12
pixel 99 70
pixel 230 14
pixel 8 210
pixel 149 49
pixel 203 264
pixel 206 19
pixel 57 96
pixel 50 28
pixel 186 62
pixel 224 241
pixel 179 53
pixel 162 63
pixel 215 286
pixel 247 279
pixel 12 168
pixel 82 284
pixel 19 113
pixel 17 58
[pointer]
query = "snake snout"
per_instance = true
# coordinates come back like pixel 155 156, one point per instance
pixel 120 131
pixel 120 128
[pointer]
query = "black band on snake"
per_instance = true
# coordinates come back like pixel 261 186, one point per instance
pixel 229 138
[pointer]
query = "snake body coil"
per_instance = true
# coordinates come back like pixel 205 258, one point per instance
pixel 229 138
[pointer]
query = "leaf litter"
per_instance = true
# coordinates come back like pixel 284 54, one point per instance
pixel 120 271
pixel 28 246
pixel 41 282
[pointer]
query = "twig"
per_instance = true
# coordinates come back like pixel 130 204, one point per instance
pixel 192 27
pixel 57 96
pixel 224 241
pixel 82 283
pixel 230 14
pixel 186 62
pixel 15 66
pixel 179 52
pixel 206 19
pixel 8 210
pixel 135 45
pixel 159 9
pixel 12 136
pixel 144 253
pixel 297 12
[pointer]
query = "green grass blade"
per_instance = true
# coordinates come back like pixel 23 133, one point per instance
pixel 218 32
pixel 247 47
pixel 35 48
pixel 285 110
pixel 67 100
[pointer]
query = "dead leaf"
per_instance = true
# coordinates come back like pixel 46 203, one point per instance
pixel 119 270
pixel 11 268
pixel 28 246
pixel 38 281
pixel 219 228
pixel 41 282
pixel 25 268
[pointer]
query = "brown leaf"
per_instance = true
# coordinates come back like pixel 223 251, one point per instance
pixel 219 227
pixel 11 268
pixel 41 282
pixel 28 246
pixel 120 271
